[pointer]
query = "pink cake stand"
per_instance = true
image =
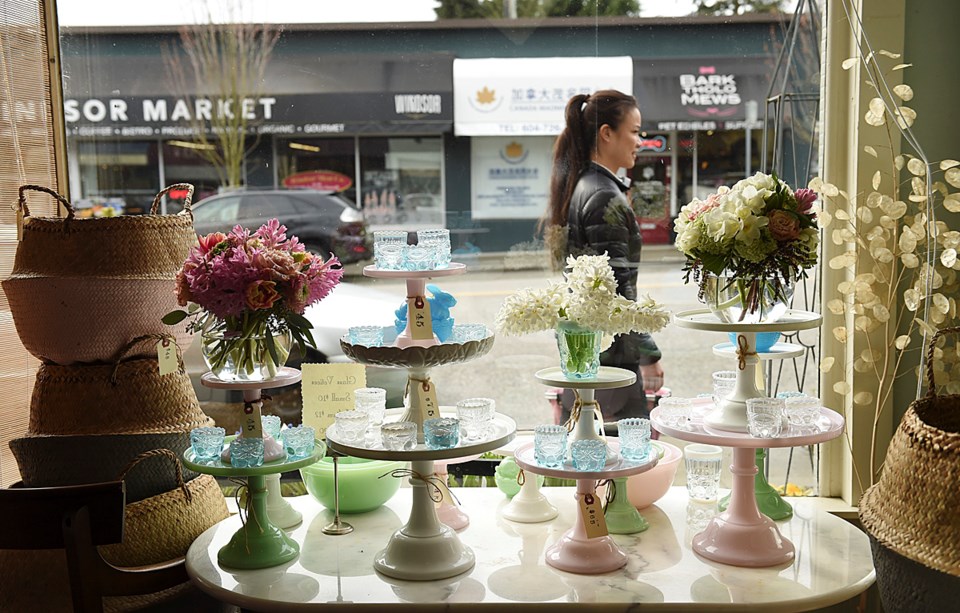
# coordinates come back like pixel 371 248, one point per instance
pixel 741 535
pixel 575 552
pixel 448 512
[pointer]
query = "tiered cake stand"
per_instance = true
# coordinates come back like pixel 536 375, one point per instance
pixel 424 549
pixel 259 543
pixel 741 535
pixel 529 505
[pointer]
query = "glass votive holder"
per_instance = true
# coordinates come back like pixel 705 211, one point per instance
pixel 419 257
pixel 368 336
pixel 724 382
pixel 399 435
pixel 550 445
pixel 271 425
pixel 439 241
pixel 389 256
pixel 351 425
pixel 475 415
pixel 634 435
pixel 675 412
pixel 299 441
pixel 441 432
pixel 702 463
pixel 373 402
pixel 765 417
pixel 588 455
pixel 246 452
pixel 790 394
pixel 463 333
pixel 803 411
pixel 207 442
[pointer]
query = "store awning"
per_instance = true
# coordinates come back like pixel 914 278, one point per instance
pixel 527 96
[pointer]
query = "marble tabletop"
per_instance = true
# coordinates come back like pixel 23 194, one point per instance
pixel 833 563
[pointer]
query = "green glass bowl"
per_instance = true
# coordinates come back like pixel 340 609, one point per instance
pixel 361 488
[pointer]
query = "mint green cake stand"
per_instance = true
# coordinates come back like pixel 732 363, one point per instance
pixel 769 501
pixel 258 543
pixel 621 516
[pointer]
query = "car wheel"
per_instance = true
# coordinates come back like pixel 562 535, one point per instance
pixel 321 249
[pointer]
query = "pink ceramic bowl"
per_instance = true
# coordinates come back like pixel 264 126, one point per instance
pixel 646 488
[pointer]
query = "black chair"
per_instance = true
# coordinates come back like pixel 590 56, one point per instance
pixel 77 519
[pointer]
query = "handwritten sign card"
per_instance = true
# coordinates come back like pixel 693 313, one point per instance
pixel 327 390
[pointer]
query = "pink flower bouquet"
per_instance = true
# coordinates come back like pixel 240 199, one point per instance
pixel 243 290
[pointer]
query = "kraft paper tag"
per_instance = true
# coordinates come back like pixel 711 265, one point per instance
pixel 252 425
pixel 167 356
pixel 418 318
pixel 327 390
pixel 426 393
pixel 591 513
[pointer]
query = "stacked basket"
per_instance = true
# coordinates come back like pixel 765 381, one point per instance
pixel 87 297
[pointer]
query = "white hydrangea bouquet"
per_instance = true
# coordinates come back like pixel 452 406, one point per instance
pixel 586 311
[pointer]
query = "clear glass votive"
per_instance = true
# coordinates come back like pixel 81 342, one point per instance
pixel 765 417
pixel 207 442
pixel 441 432
pixel 246 452
pixel 351 425
pixel 588 455
pixel 463 333
pixel 439 241
pixel 724 382
pixel 550 445
pixel 634 435
pixel 388 248
pixel 419 257
pixel 399 435
pixel 368 336
pixel 803 411
pixel 373 402
pixel 703 471
pixel 271 425
pixel 476 416
pixel 675 412
pixel 299 441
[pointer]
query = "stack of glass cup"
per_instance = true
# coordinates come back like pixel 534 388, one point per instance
pixel 392 250
pixel 476 417
pixel 373 402
pixel 703 471
pixel 299 441
pixel 634 435
pixel 550 445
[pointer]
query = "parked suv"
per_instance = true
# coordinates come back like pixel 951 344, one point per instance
pixel 324 222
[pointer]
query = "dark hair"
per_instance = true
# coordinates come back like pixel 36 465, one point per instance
pixel 585 115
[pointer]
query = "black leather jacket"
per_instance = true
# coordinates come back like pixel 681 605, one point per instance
pixel 600 220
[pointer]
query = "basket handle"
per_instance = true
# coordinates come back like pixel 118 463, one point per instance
pixel 22 201
pixel 160 453
pixel 129 346
pixel 931 387
pixel 186 201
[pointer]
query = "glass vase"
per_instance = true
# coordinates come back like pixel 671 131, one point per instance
pixel 749 301
pixel 233 356
pixel 579 351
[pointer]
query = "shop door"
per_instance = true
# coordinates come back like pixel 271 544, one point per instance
pixel 649 196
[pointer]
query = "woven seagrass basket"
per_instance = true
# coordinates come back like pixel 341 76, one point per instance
pixel 912 514
pixel 81 288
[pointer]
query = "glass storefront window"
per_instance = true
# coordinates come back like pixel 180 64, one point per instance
pixel 121 175
pixel 183 163
pixel 325 164
pixel 401 181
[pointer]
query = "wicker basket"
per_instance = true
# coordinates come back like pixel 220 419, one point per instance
pixel 162 527
pixel 127 397
pixel 53 461
pixel 80 288
pixel 914 509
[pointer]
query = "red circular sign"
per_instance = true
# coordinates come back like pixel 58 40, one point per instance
pixel 322 180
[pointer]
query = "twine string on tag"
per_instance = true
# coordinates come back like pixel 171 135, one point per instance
pixel 248 404
pixel 611 490
pixel 435 485
pixel 424 383
pixel 578 404
pixel 742 352
pixel 521 478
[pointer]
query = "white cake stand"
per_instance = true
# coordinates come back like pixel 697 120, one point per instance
pixel 732 413
pixel 529 505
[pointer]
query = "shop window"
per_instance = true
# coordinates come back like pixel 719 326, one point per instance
pixel 121 175
pixel 400 180
pixel 323 164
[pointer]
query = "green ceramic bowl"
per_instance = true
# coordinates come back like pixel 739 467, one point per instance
pixel 361 488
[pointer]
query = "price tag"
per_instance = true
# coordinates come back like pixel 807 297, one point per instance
pixel 426 399
pixel 327 390
pixel 418 319
pixel 167 356
pixel 252 426
pixel 591 514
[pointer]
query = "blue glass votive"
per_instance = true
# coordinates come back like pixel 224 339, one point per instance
pixel 207 443
pixel 419 257
pixel 246 452
pixel 634 434
pixel 368 336
pixel 441 432
pixel 299 441
pixel 550 445
pixel 589 455
pixel 271 426
pixel 463 333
